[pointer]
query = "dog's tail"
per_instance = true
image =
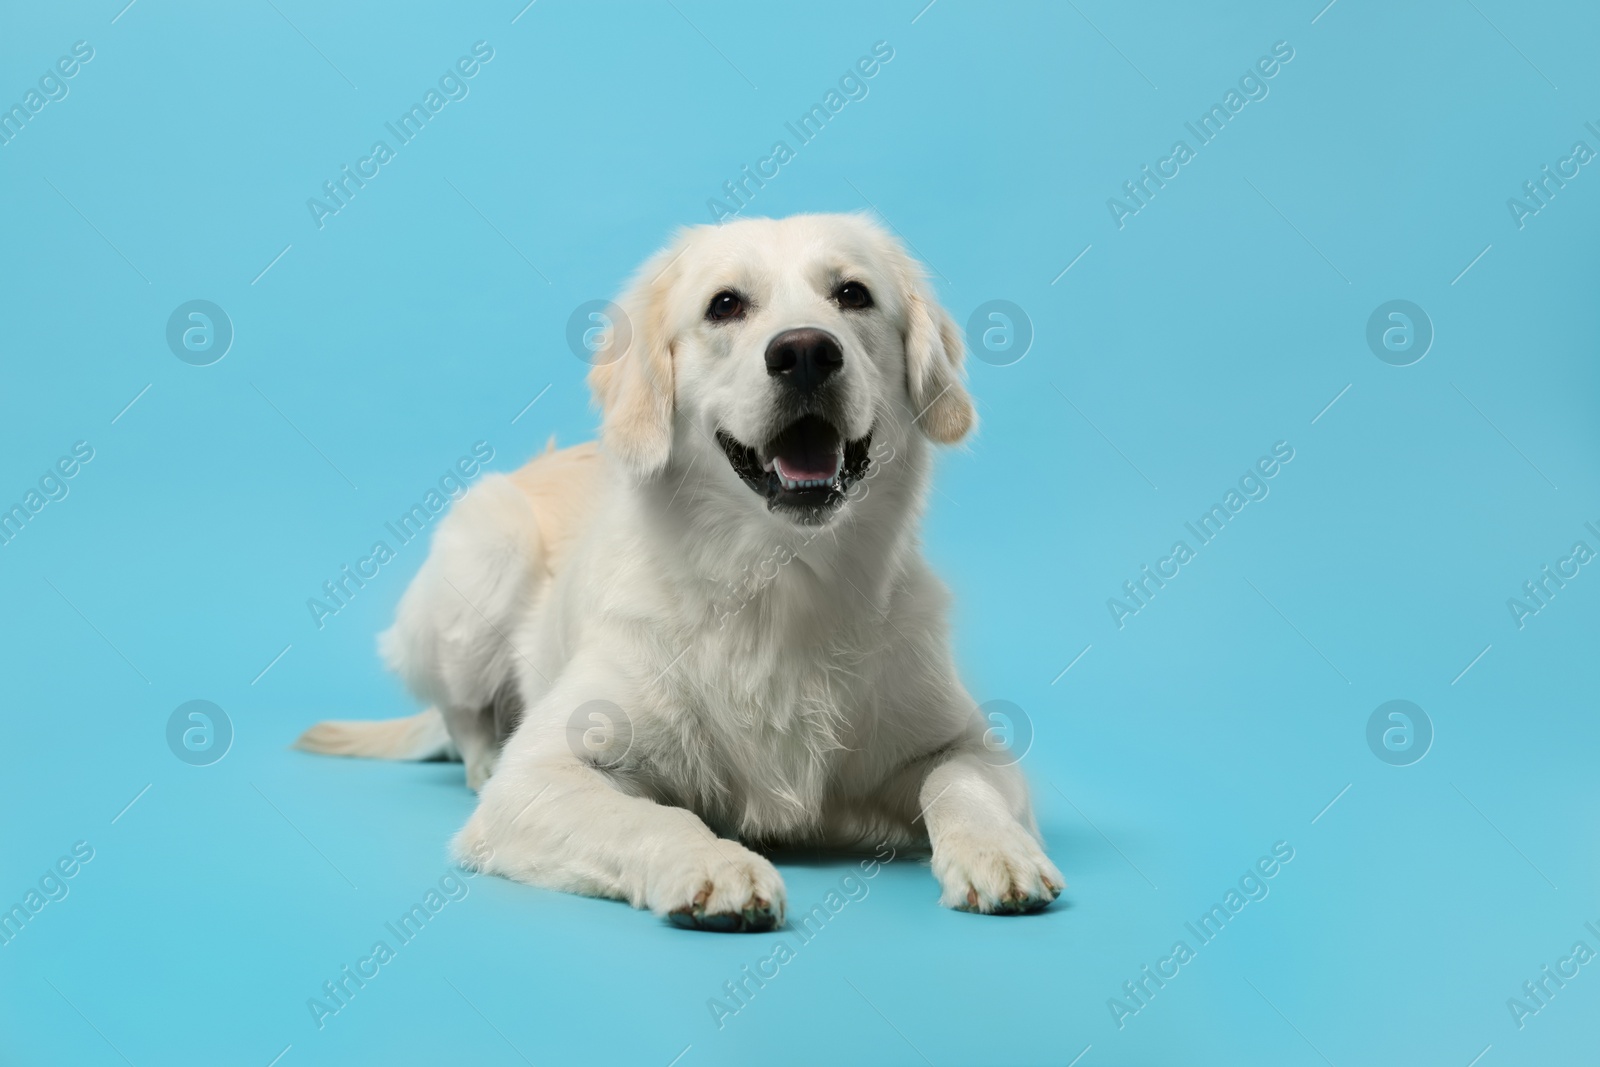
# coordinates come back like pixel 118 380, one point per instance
pixel 416 737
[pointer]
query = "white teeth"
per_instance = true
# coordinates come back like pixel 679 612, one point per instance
pixel 808 483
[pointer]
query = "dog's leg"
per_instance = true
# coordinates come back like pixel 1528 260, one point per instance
pixel 480 732
pixel 472 730
pixel 451 640
pixel 553 819
pixel 986 853
pixel 563 825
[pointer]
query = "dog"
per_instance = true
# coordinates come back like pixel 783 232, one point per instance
pixel 713 631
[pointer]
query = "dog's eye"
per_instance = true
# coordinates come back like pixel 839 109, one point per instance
pixel 853 295
pixel 724 306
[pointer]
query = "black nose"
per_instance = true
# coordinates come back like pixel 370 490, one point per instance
pixel 804 357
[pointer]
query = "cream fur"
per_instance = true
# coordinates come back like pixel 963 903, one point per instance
pixel 816 703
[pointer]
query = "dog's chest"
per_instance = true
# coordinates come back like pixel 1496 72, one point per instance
pixel 765 723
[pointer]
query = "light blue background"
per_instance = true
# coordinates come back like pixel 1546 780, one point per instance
pixel 1224 317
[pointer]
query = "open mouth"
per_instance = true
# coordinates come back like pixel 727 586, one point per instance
pixel 808 466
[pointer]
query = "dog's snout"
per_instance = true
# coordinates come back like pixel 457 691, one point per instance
pixel 804 358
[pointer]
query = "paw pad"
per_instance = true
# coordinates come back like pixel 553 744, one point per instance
pixel 756 916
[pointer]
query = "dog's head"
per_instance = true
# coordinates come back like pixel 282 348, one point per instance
pixel 780 349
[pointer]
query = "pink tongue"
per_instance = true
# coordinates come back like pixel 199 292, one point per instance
pixel 808 469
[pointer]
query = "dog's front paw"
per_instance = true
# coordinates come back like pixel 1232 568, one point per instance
pixel 723 887
pixel 996 872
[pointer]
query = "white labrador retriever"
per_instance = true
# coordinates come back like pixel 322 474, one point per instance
pixel 716 625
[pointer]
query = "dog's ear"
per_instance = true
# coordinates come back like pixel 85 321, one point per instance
pixel 934 351
pixel 632 377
